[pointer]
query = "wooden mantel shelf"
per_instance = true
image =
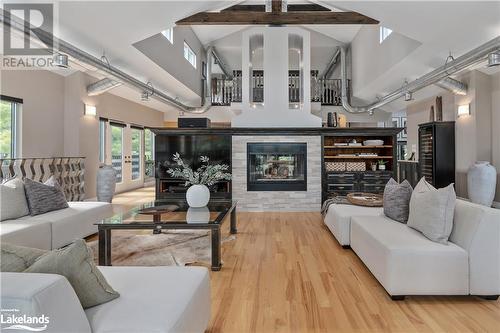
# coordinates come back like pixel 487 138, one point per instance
pixel 358 157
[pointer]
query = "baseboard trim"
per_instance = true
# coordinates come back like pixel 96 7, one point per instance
pixel 496 204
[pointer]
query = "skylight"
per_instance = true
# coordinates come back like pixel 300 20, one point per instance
pixel 384 33
pixel 169 35
pixel 189 55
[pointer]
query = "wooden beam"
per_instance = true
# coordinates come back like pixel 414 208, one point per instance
pixel 291 8
pixel 276 6
pixel 281 18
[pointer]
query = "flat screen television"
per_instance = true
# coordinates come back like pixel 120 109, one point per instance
pixel 190 147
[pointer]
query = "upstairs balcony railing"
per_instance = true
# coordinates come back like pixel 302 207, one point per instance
pixel 324 91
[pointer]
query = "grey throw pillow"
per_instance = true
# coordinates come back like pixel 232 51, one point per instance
pixel 432 210
pixel 43 198
pixel 76 264
pixel 17 258
pixel 397 200
pixel 13 203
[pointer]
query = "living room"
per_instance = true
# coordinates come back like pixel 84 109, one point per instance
pixel 250 166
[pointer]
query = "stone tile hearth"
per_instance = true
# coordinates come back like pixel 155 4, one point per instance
pixel 309 200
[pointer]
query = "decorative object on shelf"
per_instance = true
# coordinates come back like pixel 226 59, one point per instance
pixel 381 165
pixel 373 143
pixel 342 122
pixel 439 108
pixel 106 183
pixel 335 166
pixel 366 199
pixel 355 166
pixel 481 183
pixel 198 193
pixel 332 119
pixel 431 114
pixel 373 166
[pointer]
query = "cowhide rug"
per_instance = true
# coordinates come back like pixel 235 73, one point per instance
pixel 170 248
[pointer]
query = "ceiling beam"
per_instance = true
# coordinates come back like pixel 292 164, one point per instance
pixel 291 8
pixel 275 18
pixel 276 6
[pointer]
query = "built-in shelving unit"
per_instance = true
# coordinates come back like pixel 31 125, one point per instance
pixel 349 149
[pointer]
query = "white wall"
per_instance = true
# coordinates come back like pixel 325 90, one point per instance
pixel 476 136
pixel 370 59
pixel 170 57
pixel 42 111
pixel 53 123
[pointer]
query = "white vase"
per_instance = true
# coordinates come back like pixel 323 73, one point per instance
pixel 106 183
pixel 481 183
pixel 198 215
pixel 198 196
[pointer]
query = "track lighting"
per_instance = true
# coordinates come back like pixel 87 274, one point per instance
pixel 494 59
pixel 60 60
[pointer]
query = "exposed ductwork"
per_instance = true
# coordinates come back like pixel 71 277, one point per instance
pixel 112 72
pixel 470 58
pixel 227 72
pixel 102 86
pixel 455 86
pixel 331 65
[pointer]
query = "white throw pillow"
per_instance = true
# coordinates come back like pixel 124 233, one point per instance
pixel 431 211
pixel 13 203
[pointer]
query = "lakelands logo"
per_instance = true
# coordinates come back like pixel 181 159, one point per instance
pixel 27 35
pixel 12 319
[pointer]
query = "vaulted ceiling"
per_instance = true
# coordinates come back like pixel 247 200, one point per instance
pixel 439 27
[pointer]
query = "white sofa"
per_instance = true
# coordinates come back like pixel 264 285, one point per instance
pixel 55 229
pixel 152 299
pixel 407 263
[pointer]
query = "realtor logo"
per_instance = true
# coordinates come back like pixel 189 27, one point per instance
pixel 39 18
pixel 12 319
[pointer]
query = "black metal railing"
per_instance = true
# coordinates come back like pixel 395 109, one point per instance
pixel 324 91
pixel 68 171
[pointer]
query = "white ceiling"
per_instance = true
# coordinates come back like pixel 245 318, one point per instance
pixel 113 26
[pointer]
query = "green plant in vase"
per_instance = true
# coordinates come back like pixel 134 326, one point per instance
pixel 381 164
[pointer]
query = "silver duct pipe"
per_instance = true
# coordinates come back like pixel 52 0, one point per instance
pixel 455 86
pixel 472 57
pixel 64 47
pixel 227 72
pixel 102 86
pixel 331 65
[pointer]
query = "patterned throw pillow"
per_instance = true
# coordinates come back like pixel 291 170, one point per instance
pixel 43 198
pixel 397 200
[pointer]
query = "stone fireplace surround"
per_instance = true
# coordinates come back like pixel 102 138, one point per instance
pixel 258 201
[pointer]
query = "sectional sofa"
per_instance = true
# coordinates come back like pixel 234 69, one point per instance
pixel 152 299
pixel 57 228
pixel 405 262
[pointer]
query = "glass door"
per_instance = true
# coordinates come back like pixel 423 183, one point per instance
pixel 117 152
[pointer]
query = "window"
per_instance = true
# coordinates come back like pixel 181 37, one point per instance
pixel 102 140
pixel 136 135
pixel 117 150
pixel 169 35
pixel 189 55
pixel 9 125
pixel 149 140
pixel 384 33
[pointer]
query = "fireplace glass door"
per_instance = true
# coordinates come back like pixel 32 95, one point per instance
pixel 277 166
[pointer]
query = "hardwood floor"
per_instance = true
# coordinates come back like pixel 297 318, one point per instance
pixel 287 273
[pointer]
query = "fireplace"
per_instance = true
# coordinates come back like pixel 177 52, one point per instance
pixel 276 166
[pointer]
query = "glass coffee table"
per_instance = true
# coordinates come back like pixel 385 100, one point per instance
pixel 170 214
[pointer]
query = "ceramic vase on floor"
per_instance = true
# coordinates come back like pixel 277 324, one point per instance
pixel 198 196
pixel 106 183
pixel 481 183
